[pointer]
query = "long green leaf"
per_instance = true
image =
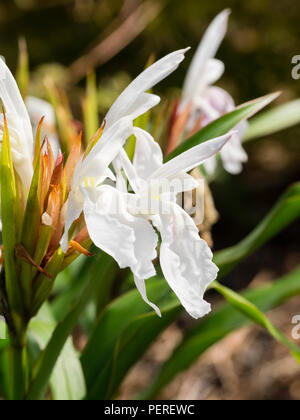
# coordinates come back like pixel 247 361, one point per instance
pixel 67 380
pixel 252 312
pixel 9 234
pixel 224 124
pixel 218 325
pixel 277 119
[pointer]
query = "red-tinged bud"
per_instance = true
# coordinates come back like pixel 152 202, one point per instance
pixel 177 126
pixel 72 162
pixel 57 176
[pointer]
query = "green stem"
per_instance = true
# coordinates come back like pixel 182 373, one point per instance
pixel 18 378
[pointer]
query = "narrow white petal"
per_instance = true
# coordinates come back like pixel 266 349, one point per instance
pixel 214 35
pixel 130 100
pixel 129 169
pixel 186 260
pixel 130 240
pixel 95 165
pixel 148 156
pixel 140 285
pixel 191 158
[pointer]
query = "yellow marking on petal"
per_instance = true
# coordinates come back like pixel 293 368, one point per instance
pixel 89 182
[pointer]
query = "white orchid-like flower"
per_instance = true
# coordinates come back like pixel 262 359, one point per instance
pixel 39 108
pixel 19 126
pixel 133 102
pixel 208 102
pixel 122 224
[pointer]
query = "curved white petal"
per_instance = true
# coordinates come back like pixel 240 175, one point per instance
pixel 186 260
pixel 133 101
pixel 129 239
pixel 18 124
pixel 195 80
pixel 148 156
pixel 140 285
pixel 191 158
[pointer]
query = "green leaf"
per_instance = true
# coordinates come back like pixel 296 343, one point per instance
pixel 67 380
pixel 9 233
pixel 224 124
pixel 252 312
pixel 128 316
pixel 277 119
pixel 284 213
pixel 218 325
pixel 63 330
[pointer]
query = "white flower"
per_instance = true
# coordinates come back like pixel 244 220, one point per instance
pixel 19 126
pixel 210 103
pixel 122 224
pixel 133 102
pixel 37 109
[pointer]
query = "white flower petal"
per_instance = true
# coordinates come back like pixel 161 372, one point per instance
pixel 233 155
pixel 191 158
pixel 214 35
pixel 148 156
pixel 214 69
pixel 109 145
pixel 18 124
pixel 140 285
pixel 186 260
pixel 130 240
pixel 132 101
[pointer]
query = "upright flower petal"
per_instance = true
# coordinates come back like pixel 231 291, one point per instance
pixel 186 260
pixel 148 155
pixel 129 239
pixel 133 101
pixel 196 79
pixel 18 124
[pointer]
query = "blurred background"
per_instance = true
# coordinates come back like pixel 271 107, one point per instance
pixel 117 37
